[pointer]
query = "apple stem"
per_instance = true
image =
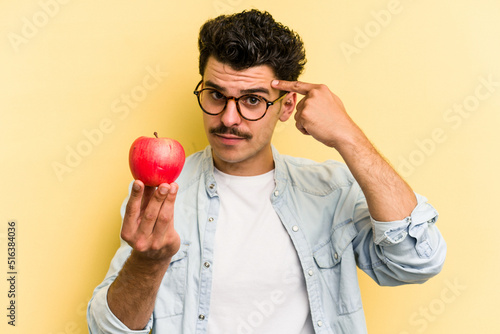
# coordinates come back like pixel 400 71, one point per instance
pixel 156 134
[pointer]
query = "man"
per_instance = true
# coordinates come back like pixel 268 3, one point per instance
pixel 261 242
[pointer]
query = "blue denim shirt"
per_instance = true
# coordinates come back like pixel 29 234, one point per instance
pixel 325 213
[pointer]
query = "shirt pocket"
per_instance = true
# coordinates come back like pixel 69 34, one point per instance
pixel 337 265
pixel 171 296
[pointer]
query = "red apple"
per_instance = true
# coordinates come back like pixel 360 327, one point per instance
pixel 156 160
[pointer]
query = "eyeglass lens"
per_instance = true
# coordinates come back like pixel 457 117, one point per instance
pixel 250 106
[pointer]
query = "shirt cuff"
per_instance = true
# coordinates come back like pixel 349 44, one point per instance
pixel 415 225
pixel 106 321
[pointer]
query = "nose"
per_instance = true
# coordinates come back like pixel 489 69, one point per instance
pixel 230 115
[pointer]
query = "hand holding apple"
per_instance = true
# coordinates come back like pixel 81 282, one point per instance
pixel 156 160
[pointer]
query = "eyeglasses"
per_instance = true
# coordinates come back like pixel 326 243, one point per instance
pixel 250 106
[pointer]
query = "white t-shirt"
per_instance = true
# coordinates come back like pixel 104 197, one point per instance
pixel 258 285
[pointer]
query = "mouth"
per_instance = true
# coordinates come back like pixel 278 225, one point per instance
pixel 227 139
pixel 228 136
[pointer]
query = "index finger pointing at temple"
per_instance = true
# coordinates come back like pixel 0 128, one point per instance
pixel 293 86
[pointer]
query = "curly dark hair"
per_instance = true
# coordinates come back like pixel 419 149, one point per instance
pixel 252 38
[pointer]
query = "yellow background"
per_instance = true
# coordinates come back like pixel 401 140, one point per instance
pixel 66 68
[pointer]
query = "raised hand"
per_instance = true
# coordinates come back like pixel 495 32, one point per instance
pixel 148 227
pixel 321 114
pixel 148 224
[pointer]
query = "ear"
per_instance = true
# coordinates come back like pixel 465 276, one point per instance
pixel 288 106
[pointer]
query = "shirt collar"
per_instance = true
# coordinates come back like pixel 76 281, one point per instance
pixel 208 171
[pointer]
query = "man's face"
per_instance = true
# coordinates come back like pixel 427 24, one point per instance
pixel 240 146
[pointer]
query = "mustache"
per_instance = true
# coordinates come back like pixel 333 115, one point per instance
pixel 222 130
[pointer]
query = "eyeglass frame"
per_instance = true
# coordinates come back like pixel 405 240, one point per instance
pixel 236 99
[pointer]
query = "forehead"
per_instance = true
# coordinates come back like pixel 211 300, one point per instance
pixel 225 76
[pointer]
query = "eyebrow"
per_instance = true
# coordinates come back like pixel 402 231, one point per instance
pixel 264 90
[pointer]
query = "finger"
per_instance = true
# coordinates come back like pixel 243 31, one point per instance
pixel 300 106
pixel 150 214
pixel 146 197
pixel 166 214
pixel 299 122
pixel 293 86
pixel 301 128
pixel 133 209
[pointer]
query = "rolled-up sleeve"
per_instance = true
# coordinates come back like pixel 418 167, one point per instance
pixel 102 321
pixel 410 250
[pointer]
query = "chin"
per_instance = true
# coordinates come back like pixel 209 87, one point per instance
pixel 228 157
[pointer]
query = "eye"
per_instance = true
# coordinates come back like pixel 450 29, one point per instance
pixel 216 95
pixel 252 100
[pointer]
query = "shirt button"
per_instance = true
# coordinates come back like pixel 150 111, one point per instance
pixel 320 323
pixel 295 228
pixel 211 219
pixel 201 317
pixel 276 193
pixel 336 256
pixel 310 272
pixel 212 186
pixel 207 264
